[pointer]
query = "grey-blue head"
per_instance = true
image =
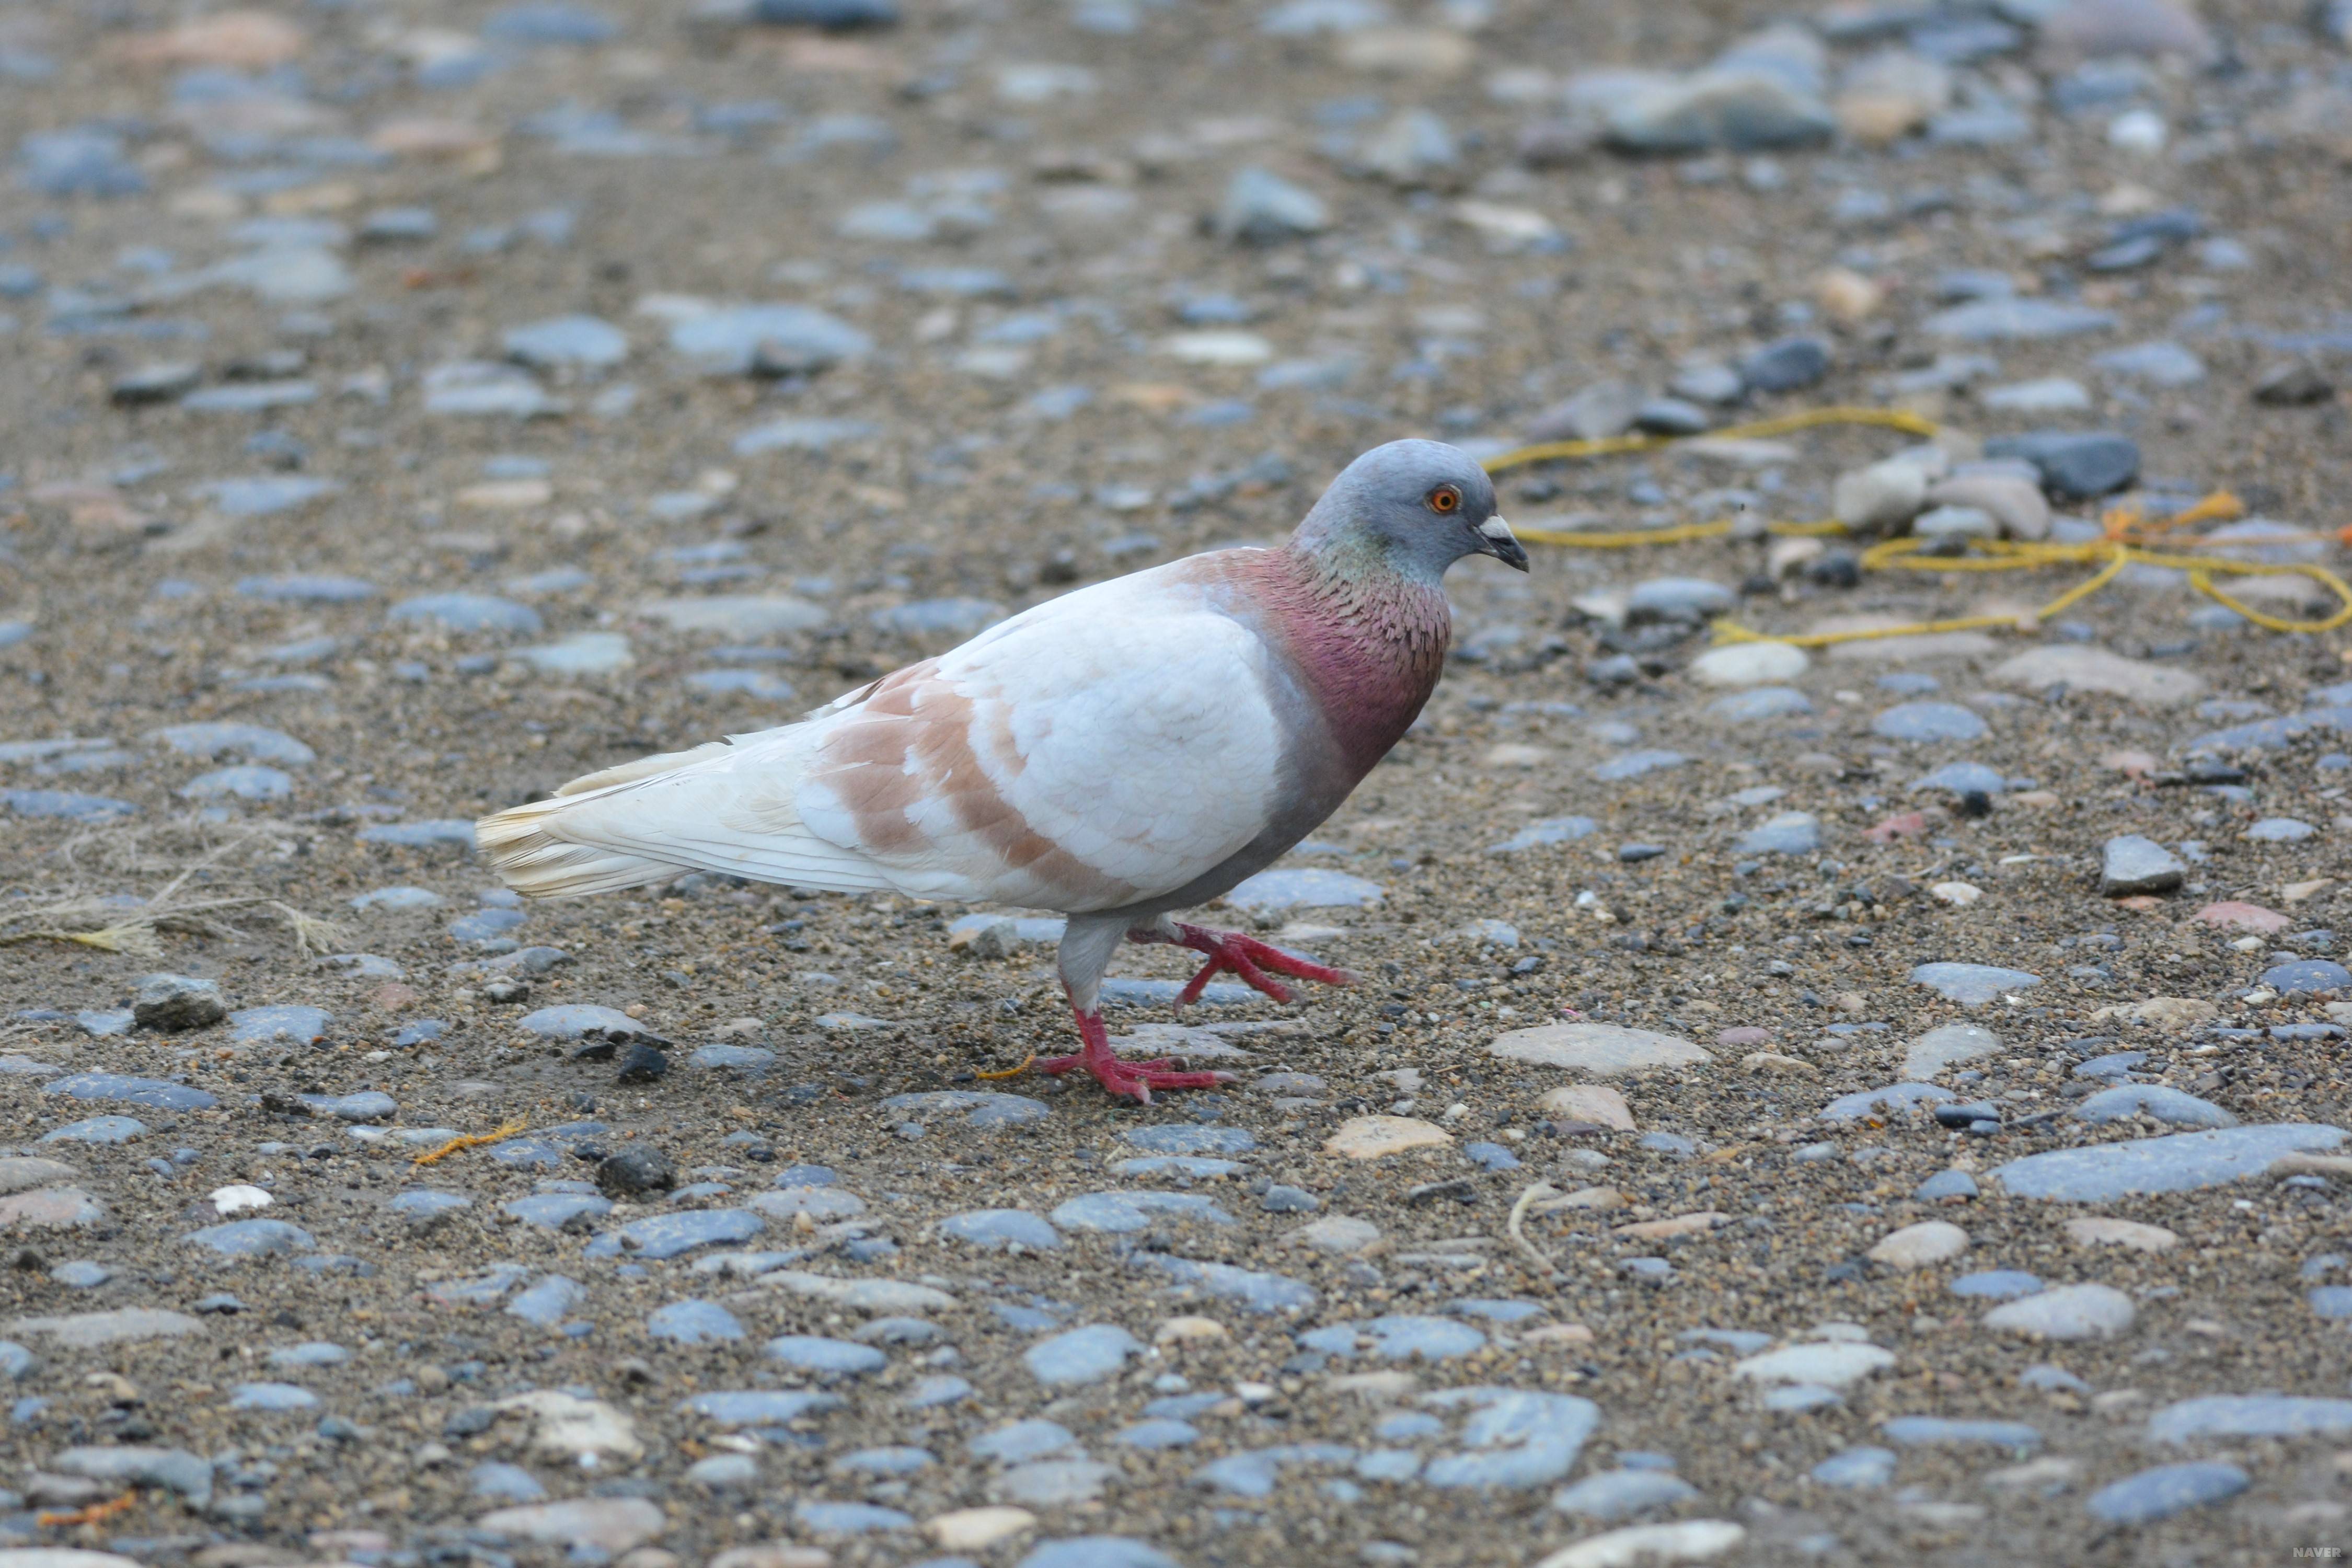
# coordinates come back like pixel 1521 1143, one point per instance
pixel 1416 506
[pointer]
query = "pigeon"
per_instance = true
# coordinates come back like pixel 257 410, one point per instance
pixel 1124 751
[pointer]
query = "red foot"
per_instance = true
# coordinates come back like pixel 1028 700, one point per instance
pixel 1128 1080
pixel 1230 952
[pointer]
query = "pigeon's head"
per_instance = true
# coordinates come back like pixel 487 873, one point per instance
pixel 1420 505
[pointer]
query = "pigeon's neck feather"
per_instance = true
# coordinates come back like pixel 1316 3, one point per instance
pixel 1367 644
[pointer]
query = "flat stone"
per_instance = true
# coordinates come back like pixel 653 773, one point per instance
pixel 2067 1313
pixel 51 1208
pixel 1593 1102
pixel 1948 1046
pixel 669 1235
pixel 2309 975
pixel 274 1397
pixel 1257 1289
pixel 555 1211
pixel 2163 1491
pixel 2074 465
pixel 468 613
pixel 1939 1432
pixel 760 1408
pixel 1285 889
pixel 737 615
pixel 1856 1469
pixel 71 806
pixel 2232 915
pixel 1749 664
pixel 608 1525
pixel 1612 1495
pixel 1550 830
pixel 568 341
pixel 252 1238
pixel 976 1529
pixel 1260 207
pixel 130 1092
pixel 2131 865
pixel 1944 1185
pixel 1122 1213
pixel 1337 1234
pixel 173 1469
pixel 2251 1415
pixel 1605 1050
pixel 100 1129
pixel 1684 1540
pixel 1097 1552
pixel 123 1325
pixel 571 1020
pixel 1637 764
pixel 1919 1246
pixel 23 1172
pixel 693 1322
pixel 1831 1363
pixel 1929 721
pixel 1761 705
pixel 1894 1101
pixel 779 339
pixel 862 1294
pixel 825 1357
pixel 981 1109
pixel 2078 667
pixel 1374 1137
pixel 1972 985
pixel 433 833
pixel 2016 320
pixel 1732 108
pixel 1513 1438
pixel 999 1228
pixel 2152 1101
pixel 584 653
pixel 2178 1162
pixel 1081 1356
pixel 2099 1230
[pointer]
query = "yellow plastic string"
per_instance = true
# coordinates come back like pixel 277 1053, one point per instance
pixel 472 1141
pixel 2130 537
pixel 1009 1072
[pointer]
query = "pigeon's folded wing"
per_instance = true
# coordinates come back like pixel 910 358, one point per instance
pixel 1105 748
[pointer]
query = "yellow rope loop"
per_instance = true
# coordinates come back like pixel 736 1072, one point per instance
pixel 2200 578
pixel 471 1141
pixel 2128 537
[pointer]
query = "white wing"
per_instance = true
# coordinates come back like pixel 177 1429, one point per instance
pixel 1105 747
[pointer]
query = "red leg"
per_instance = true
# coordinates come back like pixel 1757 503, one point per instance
pixel 1244 956
pixel 1131 1080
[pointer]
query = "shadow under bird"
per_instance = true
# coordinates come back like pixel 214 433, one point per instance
pixel 1124 751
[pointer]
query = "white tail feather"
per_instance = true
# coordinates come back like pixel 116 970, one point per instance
pixel 723 807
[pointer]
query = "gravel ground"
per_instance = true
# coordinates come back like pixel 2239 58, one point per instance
pixel 1648 1195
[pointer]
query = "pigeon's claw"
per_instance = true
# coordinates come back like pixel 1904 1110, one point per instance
pixel 1248 959
pixel 1125 1081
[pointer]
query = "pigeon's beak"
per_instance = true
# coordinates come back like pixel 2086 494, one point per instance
pixel 1495 539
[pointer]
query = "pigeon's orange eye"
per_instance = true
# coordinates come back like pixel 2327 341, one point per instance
pixel 1445 497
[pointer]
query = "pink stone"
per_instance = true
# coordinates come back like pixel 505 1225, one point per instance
pixel 1910 825
pixel 1743 1035
pixel 2235 916
pixel 51 1208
